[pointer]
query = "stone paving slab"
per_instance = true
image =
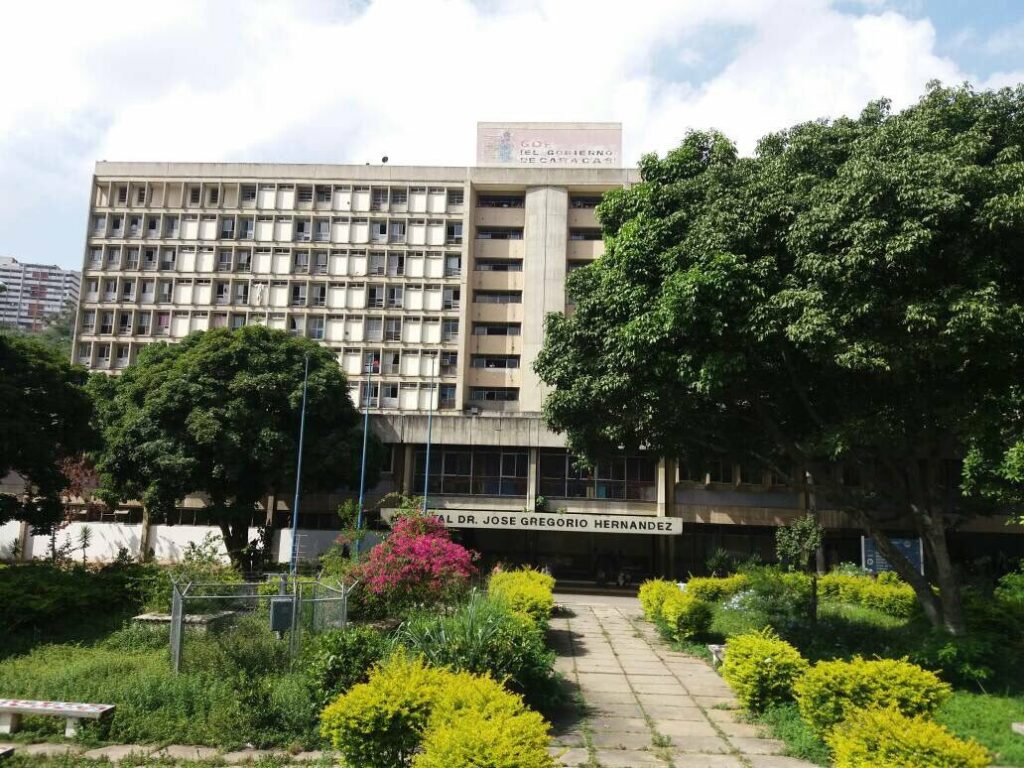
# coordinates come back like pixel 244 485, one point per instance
pixel 120 752
pixel 187 752
pixel 49 749
pixel 644 704
pixel 243 756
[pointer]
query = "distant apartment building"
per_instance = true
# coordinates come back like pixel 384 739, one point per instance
pixel 431 286
pixel 32 294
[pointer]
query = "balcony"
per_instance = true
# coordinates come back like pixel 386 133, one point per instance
pixel 494 377
pixel 583 218
pixel 496 313
pixel 584 249
pixel 499 217
pixel 499 249
pixel 498 281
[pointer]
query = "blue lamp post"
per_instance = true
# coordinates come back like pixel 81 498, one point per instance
pixel 298 472
pixel 366 437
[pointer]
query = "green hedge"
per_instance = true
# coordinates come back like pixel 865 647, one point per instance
pixel 525 591
pixel 762 669
pixel 716 588
pixel 832 690
pixel 885 738
pixel 652 594
pixel 685 616
pixel 884 594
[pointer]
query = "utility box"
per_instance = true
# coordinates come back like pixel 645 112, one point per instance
pixel 281 607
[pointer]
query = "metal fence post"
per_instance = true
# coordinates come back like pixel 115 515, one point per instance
pixel 177 617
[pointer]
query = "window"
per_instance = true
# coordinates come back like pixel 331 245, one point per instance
pixel 241 293
pixel 298 295
pixel 99 224
pixel 237 321
pixel 193 195
pixel 452 266
pixel 128 291
pixel 109 289
pixel 374 329
pixel 396 265
pixel 107 322
pixel 103 353
pixel 244 261
pixel 375 296
pixel 116 225
pixel 140 196
pixel 499 265
pixel 89 320
pixel 379 230
pixel 323 230
pixel 324 194
pixel 227 228
pixel 584 234
pixel 497 329
pixel 376 263
pixel 495 361
pixel 450 298
pixel 214 196
pixel 224 261
pixel 393 329
pixel 390 394
pixel 92 287
pixel 453 234
pixel 584 201
pixel 152 226
pixel 449 363
pixel 163 323
pixel 168 257
pixel 171 226
pixel 305 194
pixel 248 193
pixel 379 202
pixel 719 471
pixel 449 330
pixel 300 262
pixel 627 477
pixel 302 233
pixel 397 231
pixel 122 195
pixel 494 394
pixel 315 329
pixel 295 325
pixel 143 323
pixel 133 259
pixel 500 201
pixel 124 322
pixel 134 226
pixel 499 233
pixel 223 293
pixel 455 197
pixel 446 397
pixel 96 257
pixel 319 296
pixel 320 262
pixel 246 228
pixel 462 471
pixel 392 362
pixel 395 297
pixel 498 297
pixel 399 197
pixel 166 289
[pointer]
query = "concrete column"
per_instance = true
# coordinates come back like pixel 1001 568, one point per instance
pixel 546 239
pixel 24 541
pixel 531 481
pixel 408 464
pixel 661 484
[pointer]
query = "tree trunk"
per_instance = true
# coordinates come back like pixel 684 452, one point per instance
pixel 236 538
pixel 933 531
pixel 144 535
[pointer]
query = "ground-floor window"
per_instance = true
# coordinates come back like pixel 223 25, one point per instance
pixel 626 477
pixel 474 471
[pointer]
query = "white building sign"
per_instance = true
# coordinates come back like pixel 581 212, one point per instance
pixel 573 145
pixel 555 521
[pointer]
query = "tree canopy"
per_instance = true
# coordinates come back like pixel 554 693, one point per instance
pixel 44 420
pixel 218 414
pixel 845 305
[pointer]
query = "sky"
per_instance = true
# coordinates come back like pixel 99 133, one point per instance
pixel 348 81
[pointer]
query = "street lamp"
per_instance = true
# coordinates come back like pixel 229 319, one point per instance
pixel 298 473
pixel 430 421
pixel 366 436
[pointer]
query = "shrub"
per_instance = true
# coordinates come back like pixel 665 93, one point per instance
pixel 877 738
pixel 832 690
pixel 685 616
pixel 653 593
pixel 336 660
pixel 762 669
pixel 417 564
pixel 380 723
pixel 894 598
pixel 781 597
pixel 496 742
pixel 714 589
pixel 485 637
pixel 525 591
pixel 962 660
pixel 1010 588
pixel 444 718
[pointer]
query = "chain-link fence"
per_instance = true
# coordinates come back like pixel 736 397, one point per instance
pixel 285 606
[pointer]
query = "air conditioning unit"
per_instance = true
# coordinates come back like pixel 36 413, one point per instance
pixel 474 411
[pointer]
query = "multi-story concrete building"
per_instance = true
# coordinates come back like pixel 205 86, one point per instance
pixel 431 284
pixel 32 294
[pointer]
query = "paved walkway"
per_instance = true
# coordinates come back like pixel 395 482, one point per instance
pixel 643 704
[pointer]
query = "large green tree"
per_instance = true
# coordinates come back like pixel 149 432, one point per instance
pixel 44 421
pixel 845 307
pixel 218 415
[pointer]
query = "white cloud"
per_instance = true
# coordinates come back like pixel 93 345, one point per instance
pixel 326 81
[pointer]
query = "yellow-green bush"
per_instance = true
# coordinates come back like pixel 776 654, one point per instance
pixel 888 595
pixel 380 723
pixel 714 588
pixel 762 668
pixel 524 591
pixel 653 593
pixel 412 714
pixel 832 690
pixel 685 615
pixel 884 738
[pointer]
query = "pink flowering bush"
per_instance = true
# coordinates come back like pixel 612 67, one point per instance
pixel 418 564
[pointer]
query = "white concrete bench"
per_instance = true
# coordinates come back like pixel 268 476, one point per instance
pixel 6 752
pixel 11 711
pixel 717 654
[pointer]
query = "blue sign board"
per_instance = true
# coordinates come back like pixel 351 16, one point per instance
pixel 872 560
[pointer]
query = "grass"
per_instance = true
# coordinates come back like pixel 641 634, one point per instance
pixel 784 723
pixel 76 761
pixel 233 693
pixel 987 719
